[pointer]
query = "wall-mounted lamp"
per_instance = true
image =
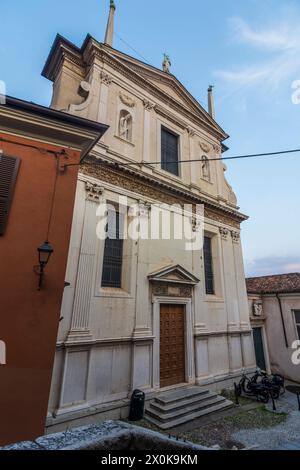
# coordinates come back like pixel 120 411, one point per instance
pixel 44 251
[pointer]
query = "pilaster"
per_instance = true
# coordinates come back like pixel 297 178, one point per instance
pixel 83 293
pixel 105 80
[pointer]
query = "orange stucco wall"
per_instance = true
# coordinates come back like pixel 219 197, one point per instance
pixel 29 318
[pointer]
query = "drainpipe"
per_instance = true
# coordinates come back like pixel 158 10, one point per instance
pixel 282 320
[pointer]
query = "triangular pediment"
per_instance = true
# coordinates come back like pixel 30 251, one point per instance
pixel 174 274
pixel 170 89
pixel 169 85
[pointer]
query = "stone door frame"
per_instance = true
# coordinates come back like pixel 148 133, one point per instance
pixel 189 344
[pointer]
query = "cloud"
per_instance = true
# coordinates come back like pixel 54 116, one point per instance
pixel 243 76
pixel 271 70
pixel 272 265
pixel 282 38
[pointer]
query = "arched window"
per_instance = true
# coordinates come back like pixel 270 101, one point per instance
pixel 125 125
pixel 205 167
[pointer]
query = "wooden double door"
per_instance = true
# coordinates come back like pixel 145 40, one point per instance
pixel 172 345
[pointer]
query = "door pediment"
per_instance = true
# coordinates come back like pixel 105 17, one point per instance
pixel 174 275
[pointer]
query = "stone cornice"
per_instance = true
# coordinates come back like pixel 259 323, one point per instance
pixel 148 185
pixel 61 50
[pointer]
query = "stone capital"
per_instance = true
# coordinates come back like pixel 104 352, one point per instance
pixel 105 78
pixel 190 131
pixel 224 233
pixel 235 237
pixel 94 191
pixel 148 105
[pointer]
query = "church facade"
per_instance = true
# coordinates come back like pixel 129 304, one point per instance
pixel 145 313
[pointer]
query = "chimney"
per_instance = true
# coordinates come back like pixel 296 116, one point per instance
pixel 109 35
pixel 211 102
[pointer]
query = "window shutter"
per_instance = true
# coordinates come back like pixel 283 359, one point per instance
pixel 9 167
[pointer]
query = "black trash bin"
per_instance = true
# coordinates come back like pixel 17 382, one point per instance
pixel 137 406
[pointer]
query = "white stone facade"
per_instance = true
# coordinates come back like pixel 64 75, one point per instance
pixel 108 341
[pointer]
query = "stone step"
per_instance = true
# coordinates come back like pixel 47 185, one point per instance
pixel 202 397
pixel 191 416
pixel 186 410
pixel 174 396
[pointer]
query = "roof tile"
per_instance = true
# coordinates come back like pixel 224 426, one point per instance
pixel 277 284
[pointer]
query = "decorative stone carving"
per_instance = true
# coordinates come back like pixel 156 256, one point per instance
pixel 105 78
pixel 125 181
pixel 127 100
pixel 174 290
pixel 94 191
pixel 148 105
pixel 204 146
pixel 235 237
pixel 190 131
pixel 186 291
pixel 84 90
pixel 224 233
pixel 257 308
pixel 196 224
pixel 160 289
pixel 217 148
pixel 144 209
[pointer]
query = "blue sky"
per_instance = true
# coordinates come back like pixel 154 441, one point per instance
pixel 250 51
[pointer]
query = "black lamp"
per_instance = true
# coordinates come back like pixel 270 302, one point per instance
pixel 45 251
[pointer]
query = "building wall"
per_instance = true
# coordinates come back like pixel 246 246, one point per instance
pixel 108 340
pixel 29 318
pixel 278 354
pixel 114 349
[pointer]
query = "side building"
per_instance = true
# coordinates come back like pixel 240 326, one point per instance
pixel 40 150
pixel 274 304
pixel 145 313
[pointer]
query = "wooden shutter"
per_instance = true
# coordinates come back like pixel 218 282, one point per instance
pixel 9 167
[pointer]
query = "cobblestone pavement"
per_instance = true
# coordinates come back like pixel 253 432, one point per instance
pixel 285 436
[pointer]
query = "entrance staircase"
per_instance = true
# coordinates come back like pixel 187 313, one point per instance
pixel 179 406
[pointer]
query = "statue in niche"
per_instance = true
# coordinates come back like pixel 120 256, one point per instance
pixel 125 126
pixel 205 168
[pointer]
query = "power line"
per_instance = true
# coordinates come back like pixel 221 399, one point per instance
pixel 202 102
pixel 237 157
pixel 132 48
